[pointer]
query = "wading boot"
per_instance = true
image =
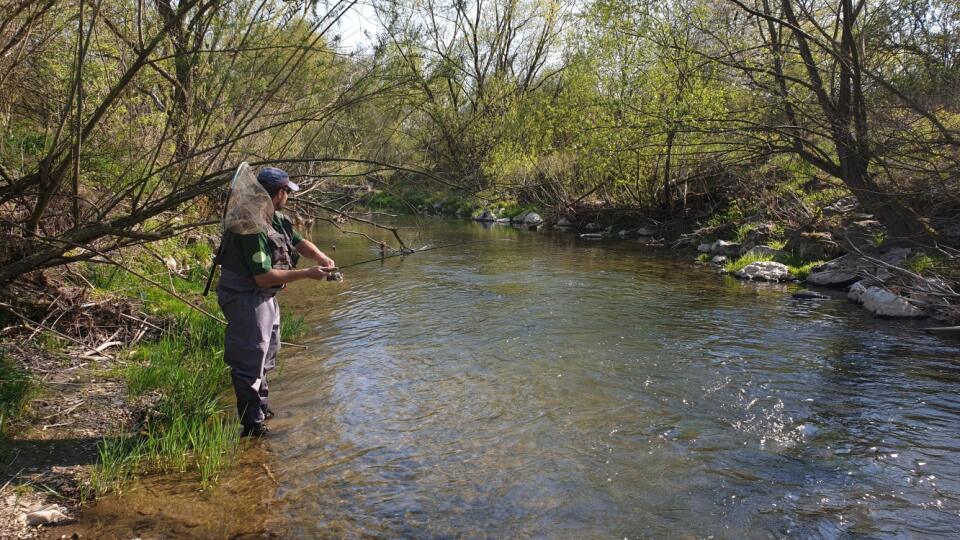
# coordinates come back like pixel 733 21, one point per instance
pixel 257 431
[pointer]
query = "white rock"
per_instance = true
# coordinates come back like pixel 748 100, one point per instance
pixel 47 516
pixel 532 218
pixel 764 271
pixel 171 264
pixel 503 220
pixel 592 236
pixel 884 303
pixel 719 260
pixel 855 294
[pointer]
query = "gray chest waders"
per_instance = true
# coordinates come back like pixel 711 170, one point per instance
pixel 252 337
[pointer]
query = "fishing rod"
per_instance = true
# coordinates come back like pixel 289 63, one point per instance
pixel 401 253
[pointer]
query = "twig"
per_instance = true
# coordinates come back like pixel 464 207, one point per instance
pixel 270 474
pixel 361 220
pixel 285 344
pixel 28 321
pixel 68 411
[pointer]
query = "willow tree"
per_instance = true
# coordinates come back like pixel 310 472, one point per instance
pixel 121 115
pixel 829 96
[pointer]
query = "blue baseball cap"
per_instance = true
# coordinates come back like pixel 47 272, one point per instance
pixel 272 179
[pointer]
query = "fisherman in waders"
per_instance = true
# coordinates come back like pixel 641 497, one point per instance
pixel 254 268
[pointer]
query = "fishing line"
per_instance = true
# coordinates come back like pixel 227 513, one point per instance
pixel 409 252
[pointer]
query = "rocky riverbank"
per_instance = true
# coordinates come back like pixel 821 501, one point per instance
pixel 886 279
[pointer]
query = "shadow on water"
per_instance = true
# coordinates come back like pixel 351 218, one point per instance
pixel 537 384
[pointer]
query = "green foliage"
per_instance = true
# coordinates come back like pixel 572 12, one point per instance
pixel 188 428
pixel 704 258
pixel 799 268
pixel 739 263
pixel 16 386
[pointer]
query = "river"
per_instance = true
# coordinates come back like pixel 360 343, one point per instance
pixel 533 384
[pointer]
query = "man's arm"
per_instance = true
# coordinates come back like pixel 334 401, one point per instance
pixel 307 249
pixel 277 277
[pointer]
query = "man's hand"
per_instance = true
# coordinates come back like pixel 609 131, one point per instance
pixel 317 272
pixel 326 262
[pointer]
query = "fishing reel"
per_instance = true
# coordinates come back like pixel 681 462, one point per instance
pixel 335 276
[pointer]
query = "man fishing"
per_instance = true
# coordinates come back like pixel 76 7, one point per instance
pixel 254 268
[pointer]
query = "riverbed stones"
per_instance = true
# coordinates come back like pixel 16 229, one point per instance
pixel 807 294
pixel 764 271
pixel 718 260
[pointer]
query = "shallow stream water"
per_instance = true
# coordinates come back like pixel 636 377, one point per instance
pixel 532 384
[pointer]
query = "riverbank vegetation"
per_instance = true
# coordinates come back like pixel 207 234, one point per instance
pixel 810 127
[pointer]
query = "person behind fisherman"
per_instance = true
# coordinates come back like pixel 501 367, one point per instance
pixel 254 268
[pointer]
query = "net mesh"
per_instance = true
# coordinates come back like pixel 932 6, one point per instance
pixel 249 209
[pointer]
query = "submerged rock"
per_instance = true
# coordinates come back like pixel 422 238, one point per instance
pixel 807 294
pixel 764 271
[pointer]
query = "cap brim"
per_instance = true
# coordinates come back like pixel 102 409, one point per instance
pixel 292 186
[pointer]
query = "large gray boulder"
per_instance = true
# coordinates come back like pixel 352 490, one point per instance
pixel 812 245
pixel 761 233
pixel 853 267
pixel 764 271
pixel 532 218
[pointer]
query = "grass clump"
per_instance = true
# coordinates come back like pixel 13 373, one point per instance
pixel 188 428
pixel 16 385
pixel 798 267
